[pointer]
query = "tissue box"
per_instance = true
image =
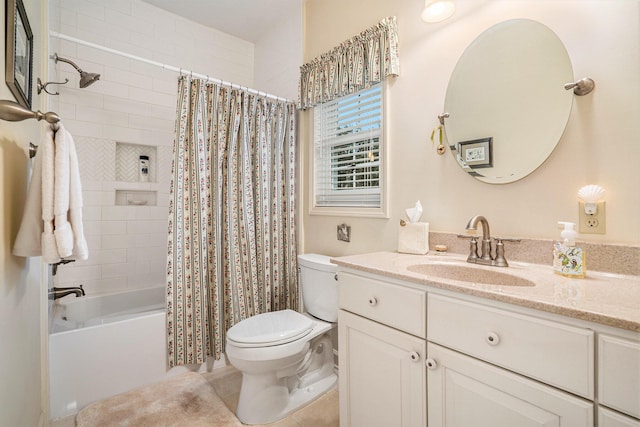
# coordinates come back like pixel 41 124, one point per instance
pixel 413 238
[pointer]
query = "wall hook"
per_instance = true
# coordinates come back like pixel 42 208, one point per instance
pixel 441 118
pixel 43 87
pixel 581 87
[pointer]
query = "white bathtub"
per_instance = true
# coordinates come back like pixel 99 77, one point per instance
pixel 103 345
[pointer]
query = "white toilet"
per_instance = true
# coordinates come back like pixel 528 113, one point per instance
pixel 286 358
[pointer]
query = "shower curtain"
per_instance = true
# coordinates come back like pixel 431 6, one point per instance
pixel 232 216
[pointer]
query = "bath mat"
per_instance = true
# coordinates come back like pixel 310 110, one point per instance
pixel 184 400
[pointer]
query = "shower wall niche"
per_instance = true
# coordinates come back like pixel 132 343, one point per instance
pixel 128 161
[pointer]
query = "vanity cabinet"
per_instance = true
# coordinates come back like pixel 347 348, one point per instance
pixel 382 351
pixel 619 374
pixel 413 354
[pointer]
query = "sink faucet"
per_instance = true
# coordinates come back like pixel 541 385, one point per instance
pixel 55 293
pixel 485 253
pixel 485 257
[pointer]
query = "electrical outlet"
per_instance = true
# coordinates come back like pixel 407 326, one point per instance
pixel 592 224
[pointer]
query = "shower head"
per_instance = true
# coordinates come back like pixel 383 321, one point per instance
pixel 88 78
pixel 85 78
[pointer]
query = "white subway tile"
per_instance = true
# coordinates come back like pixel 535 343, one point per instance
pixel 91 213
pixel 85 8
pixel 91 227
pixel 145 227
pixel 151 123
pixel 80 128
pixel 118 241
pixel 102 116
pixel 127 78
pixel 152 97
pixel 92 198
pixel 120 21
pixel 113 227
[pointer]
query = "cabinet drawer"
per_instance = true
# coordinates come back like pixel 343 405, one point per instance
pixel 394 305
pixel 557 354
pixel 619 374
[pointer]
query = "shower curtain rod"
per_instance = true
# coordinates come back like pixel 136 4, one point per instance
pixel 165 66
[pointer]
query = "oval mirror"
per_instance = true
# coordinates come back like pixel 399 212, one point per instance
pixel 506 101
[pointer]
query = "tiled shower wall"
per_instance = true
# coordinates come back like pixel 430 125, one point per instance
pixel 131 109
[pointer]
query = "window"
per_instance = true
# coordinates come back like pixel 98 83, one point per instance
pixel 348 154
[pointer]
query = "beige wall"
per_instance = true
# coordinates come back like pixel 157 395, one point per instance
pixel 20 292
pixel 600 144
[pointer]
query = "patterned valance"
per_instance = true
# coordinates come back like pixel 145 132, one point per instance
pixel 355 64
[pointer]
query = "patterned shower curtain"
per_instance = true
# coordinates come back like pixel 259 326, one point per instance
pixel 232 216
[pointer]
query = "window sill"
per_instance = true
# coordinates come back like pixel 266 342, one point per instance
pixel 349 211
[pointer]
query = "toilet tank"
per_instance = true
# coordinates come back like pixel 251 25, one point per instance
pixel 319 286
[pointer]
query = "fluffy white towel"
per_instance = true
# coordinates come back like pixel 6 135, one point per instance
pixel 50 253
pixel 52 222
pixel 69 232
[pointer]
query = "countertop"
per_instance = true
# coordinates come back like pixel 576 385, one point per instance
pixel 605 298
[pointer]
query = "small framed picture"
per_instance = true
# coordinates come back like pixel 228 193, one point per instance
pixel 19 52
pixel 477 153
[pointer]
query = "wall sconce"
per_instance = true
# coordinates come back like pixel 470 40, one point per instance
pixel 437 10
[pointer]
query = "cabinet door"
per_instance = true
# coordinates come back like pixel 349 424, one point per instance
pixel 465 392
pixel 619 374
pixel 382 375
pixel 609 418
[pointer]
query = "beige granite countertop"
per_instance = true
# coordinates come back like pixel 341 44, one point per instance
pixel 605 298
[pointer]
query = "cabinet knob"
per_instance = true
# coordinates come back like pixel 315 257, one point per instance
pixel 432 364
pixel 373 301
pixel 493 338
pixel 415 356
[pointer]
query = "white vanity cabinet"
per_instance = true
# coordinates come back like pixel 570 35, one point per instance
pixel 526 346
pixel 414 354
pixel 382 368
pixel 619 376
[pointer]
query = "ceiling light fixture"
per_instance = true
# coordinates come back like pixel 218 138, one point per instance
pixel 438 10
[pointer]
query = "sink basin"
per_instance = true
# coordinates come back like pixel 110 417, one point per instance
pixel 470 274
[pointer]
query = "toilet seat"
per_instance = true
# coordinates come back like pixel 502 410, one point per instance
pixel 270 329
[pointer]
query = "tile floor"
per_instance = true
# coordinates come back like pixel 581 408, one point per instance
pixel 226 382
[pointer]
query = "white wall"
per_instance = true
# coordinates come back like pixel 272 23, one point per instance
pixel 20 291
pixel 600 144
pixel 278 56
pixel 133 103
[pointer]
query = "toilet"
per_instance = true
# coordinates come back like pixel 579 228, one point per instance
pixel 286 357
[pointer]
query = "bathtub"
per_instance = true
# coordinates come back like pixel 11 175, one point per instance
pixel 103 345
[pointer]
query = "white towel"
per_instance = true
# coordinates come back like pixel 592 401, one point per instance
pixel 50 253
pixel 69 232
pixel 52 221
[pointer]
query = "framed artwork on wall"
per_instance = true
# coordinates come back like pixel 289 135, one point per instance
pixel 19 52
pixel 477 153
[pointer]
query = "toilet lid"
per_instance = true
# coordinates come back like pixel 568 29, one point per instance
pixel 276 327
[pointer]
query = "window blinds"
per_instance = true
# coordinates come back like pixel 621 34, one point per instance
pixel 347 135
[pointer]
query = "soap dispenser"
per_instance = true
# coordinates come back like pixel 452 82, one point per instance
pixel 569 260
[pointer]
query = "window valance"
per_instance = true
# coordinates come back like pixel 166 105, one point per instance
pixel 354 65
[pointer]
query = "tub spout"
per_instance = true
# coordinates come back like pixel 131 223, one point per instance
pixel 55 293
